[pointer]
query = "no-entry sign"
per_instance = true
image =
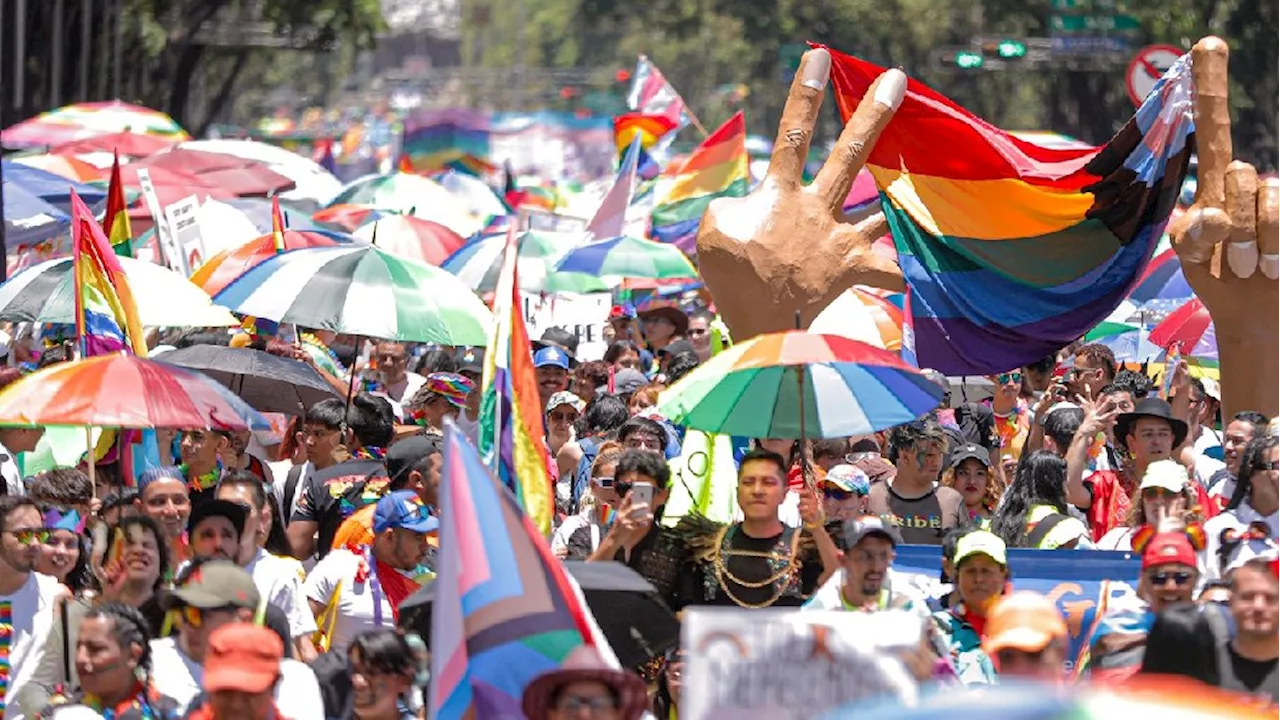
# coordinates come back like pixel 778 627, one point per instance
pixel 1147 67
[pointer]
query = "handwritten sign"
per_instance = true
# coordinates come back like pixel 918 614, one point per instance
pixel 583 315
pixel 183 218
pixel 169 248
pixel 788 665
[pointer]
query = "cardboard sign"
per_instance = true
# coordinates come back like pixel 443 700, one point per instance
pixel 183 218
pixel 778 664
pixel 583 315
pixel 169 248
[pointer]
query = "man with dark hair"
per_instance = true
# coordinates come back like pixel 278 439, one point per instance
pixel 1095 366
pixel 201 466
pixel 332 495
pixel 412 464
pixel 65 487
pixel 922 510
pixel 1244 426
pixel 1060 425
pixel 641 433
pixel 395 382
pixel 1201 437
pixel 761 562
pixel 25 597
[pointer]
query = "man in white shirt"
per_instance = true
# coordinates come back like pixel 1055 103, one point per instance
pixel 363 591
pixel 279 579
pixel 219 593
pixel 26 601
pixel 470 363
pixel 398 384
pixel 14 441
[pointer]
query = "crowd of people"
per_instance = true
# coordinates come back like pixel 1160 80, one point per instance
pixel 260 575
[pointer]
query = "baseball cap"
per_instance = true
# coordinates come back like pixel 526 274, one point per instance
pixel 1169 548
pixel 402 509
pixel 1025 621
pixel 242 657
pixel 201 511
pixel 214 584
pixel 1168 474
pixel 551 356
pixel 628 380
pixel 858 528
pixel 849 479
pixel 965 452
pixel 451 386
pixel 564 397
pixel 981 542
pixel 404 454
pixel 469 359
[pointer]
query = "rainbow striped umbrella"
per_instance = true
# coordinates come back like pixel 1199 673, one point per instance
pixel 865 314
pixel 754 389
pixel 631 257
pixel 86 120
pixel 125 391
pixel 222 269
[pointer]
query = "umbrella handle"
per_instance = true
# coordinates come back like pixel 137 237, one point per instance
pixel 805 470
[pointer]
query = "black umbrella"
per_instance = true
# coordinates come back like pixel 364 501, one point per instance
pixel 635 621
pixel 269 383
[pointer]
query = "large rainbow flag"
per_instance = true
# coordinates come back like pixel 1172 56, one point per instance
pixel 655 133
pixel 106 314
pixel 511 426
pixel 504 611
pixel 1011 250
pixel 716 168
pixel 116 220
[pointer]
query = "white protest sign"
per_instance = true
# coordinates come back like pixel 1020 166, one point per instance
pixel 551 222
pixel 184 225
pixel 169 248
pixel 583 315
pixel 777 664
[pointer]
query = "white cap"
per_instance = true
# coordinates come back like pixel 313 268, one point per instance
pixel 1212 388
pixel 1168 474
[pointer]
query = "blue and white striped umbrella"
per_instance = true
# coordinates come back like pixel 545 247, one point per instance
pixel 628 257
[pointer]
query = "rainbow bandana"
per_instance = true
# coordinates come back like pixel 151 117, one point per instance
pixel 451 386
pixel 70 521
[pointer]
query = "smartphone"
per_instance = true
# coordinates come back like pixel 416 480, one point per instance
pixel 642 493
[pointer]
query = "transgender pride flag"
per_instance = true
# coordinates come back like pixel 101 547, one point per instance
pixel 504 610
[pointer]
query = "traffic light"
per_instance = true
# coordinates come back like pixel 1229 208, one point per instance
pixel 1011 49
pixel 968 60
pixel 622 76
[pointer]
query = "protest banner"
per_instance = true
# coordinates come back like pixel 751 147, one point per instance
pixel 183 218
pixel 583 315
pixel 782 664
pixel 1083 583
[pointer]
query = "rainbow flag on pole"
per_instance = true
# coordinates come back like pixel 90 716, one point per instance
pixel 717 168
pixel 654 133
pixel 106 314
pixel 504 611
pixel 115 223
pixel 511 425
pixel 1011 250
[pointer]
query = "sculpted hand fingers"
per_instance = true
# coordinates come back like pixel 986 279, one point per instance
pixel 1242 208
pixel 795 132
pixel 1213 121
pixel 860 133
pixel 1268 224
pixel 1199 231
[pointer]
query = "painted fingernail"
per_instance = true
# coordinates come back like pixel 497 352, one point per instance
pixel 1270 265
pixel 1242 257
pixel 892 88
pixel 817 70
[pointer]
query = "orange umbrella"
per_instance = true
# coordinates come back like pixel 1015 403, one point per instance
pixel 65 166
pixel 221 269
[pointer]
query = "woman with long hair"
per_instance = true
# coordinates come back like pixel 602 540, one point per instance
pixel 579 535
pixel 1155 495
pixel 1254 507
pixel 971 474
pixel 1034 512
pixel 65 553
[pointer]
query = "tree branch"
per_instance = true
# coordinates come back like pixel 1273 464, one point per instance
pixel 224 91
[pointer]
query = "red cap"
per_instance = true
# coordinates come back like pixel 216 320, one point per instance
pixel 1167 548
pixel 242 657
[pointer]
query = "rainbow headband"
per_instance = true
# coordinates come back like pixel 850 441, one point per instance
pixel 70 521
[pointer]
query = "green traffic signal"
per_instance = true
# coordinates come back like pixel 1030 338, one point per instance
pixel 966 60
pixel 1010 49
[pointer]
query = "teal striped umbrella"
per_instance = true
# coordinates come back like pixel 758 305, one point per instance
pixel 362 290
pixel 629 257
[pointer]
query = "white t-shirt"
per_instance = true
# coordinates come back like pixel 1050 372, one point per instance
pixel 1238 518
pixel 412 382
pixel 181 679
pixel 32 610
pixel 280 582
pixel 337 573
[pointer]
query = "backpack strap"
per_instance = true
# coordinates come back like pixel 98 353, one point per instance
pixel 1043 528
pixel 290 490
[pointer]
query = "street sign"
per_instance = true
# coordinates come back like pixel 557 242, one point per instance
pixel 1089 45
pixel 1099 23
pixel 1148 66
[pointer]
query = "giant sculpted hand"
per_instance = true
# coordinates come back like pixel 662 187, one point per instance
pixel 1228 242
pixel 788 247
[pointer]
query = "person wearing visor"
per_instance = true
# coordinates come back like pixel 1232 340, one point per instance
pixel 1027 638
pixel 982 575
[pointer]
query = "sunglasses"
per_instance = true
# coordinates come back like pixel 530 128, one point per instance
pixel 31 536
pixel 696 332
pixel 1273 465
pixel 621 487
pixel 836 493
pixel 1158 493
pixel 194 616
pixel 1180 578
pixel 1009 378
pixel 605 482
pixel 563 417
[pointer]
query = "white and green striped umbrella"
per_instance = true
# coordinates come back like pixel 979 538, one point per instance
pixel 362 290
pixel 478 263
pixel 629 257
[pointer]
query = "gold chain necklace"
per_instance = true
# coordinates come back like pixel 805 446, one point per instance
pixel 721 566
